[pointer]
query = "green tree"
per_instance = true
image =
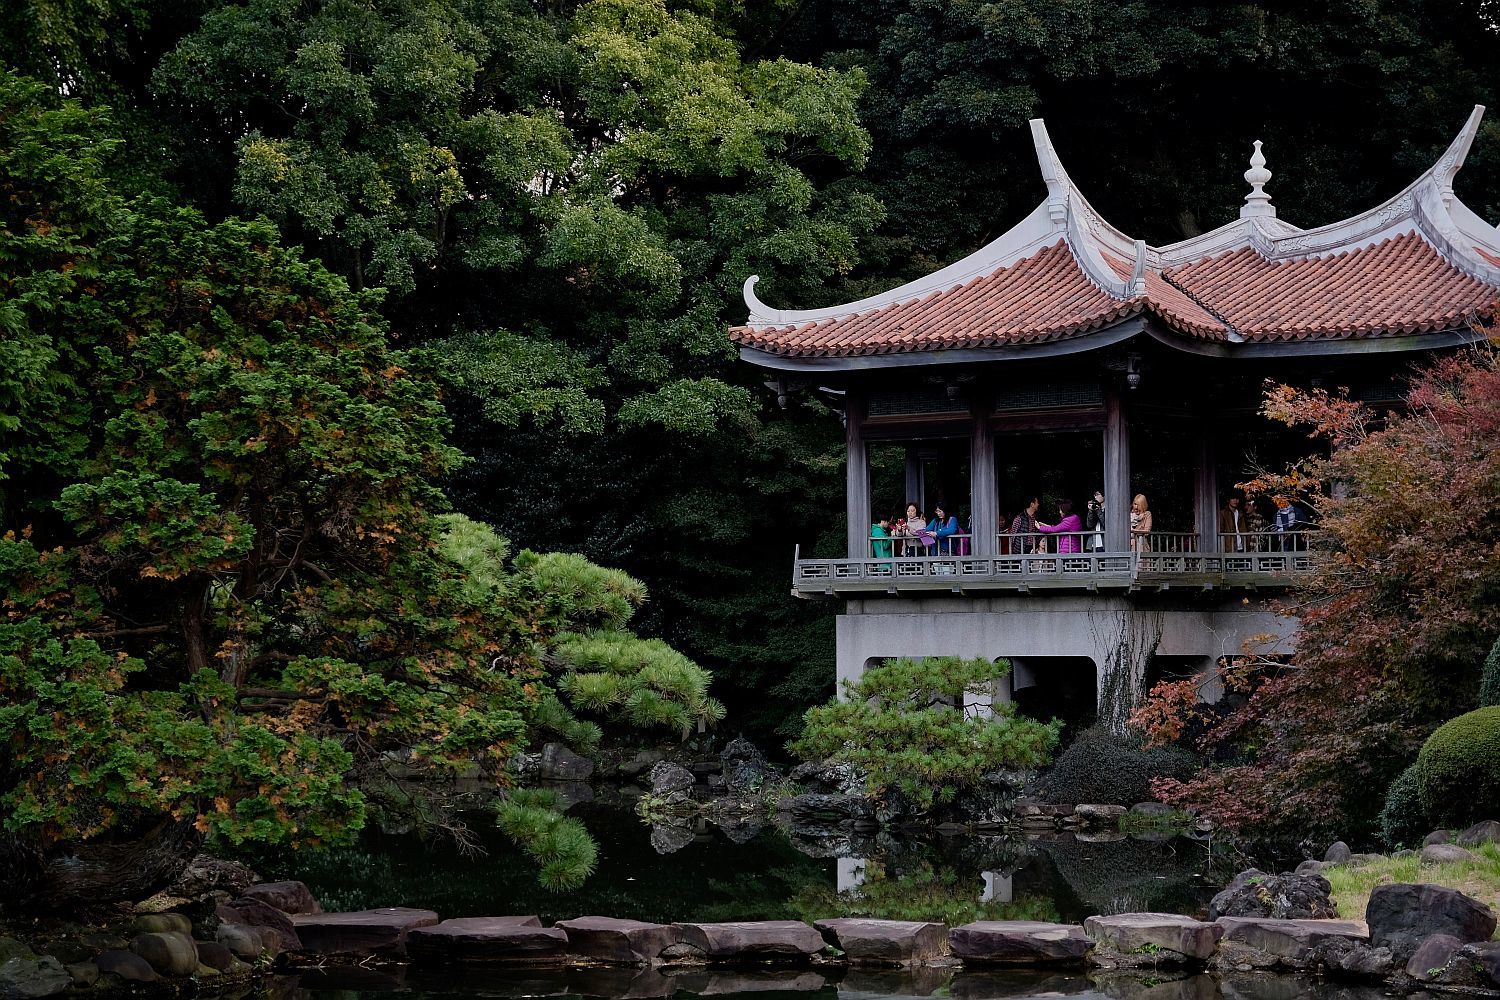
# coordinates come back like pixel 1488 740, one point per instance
pixel 897 725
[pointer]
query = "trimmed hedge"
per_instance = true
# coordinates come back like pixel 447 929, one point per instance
pixel 1458 770
pixel 1489 678
pixel 1403 820
pixel 1100 767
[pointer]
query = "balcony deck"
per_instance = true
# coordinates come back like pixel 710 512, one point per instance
pixel 911 575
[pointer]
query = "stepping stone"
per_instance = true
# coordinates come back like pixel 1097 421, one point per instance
pixel 754 940
pixel 885 942
pixel 360 932
pixel 624 942
pixel 1018 942
pixel 1153 937
pixel 488 939
pixel 1293 943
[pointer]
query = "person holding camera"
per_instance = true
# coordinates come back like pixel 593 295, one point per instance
pixel 1094 523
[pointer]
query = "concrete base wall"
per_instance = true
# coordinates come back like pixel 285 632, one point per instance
pixel 1199 626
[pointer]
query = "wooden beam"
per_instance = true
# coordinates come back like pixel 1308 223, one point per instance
pixel 857 489
pixel 1206 488
pixel 1116 472
pixel 984 499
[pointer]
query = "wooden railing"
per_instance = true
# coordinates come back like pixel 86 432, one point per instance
pixel 1028 562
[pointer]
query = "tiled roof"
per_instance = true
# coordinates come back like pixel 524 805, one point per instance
pixel 1042 297
pixel 1398 286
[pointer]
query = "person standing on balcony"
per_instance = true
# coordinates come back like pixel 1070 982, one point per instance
pixel 1068 526
pixel 1095 522
pixel 912 529
pixel 944 527
pixel 1255 523
pixel 881 545
pixel 1023 536
pixel 1232 526
pixel 1140 524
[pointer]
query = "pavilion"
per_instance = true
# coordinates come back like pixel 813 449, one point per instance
pixel 1066 356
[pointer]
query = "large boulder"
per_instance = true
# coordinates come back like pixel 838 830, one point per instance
pixel 828 777
pixel 1437 837
pixel 1401 916
pixel 1253 893
pixel 746 769
pixel 1263 943
pixel 176 923
pixel 288 897
pixel 1018 942
pixel 1432 955
pixel 753 940
pixel 205 874
pixel 125 965
pixel 169 953
pixel 216 956
pixel 1338 853
pixel 1099 813
pixel 622 942
pixel 29 978
pixel 1444 854
pixel 885 942
pixel 1128 939
pixel 1486 832
pixel 254 913
pixel 518 940
pixel 247 942
pixel 361 932
pixel 814 809
pixel 558 763
pixel 672 783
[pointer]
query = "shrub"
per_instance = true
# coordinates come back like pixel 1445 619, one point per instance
pixel 895 727
pixel 1102 767
pixel 1458 770
pixel 1489 678
pixel 1403 821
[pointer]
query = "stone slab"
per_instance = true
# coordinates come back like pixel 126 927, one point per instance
pixel 1018 942
pixel 623 942
pixel 1154 936
pixel 1293 943
pixel 512 939
pixel 360 932
pixel 885 942
pixel 753 940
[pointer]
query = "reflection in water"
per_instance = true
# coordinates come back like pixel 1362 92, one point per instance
pixel 817 982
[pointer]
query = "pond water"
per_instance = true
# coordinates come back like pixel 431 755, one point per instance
pixel 757 871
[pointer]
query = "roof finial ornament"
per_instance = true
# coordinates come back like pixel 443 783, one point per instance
pixel 1257 202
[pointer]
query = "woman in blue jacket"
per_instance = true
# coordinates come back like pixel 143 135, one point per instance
pixel 945 529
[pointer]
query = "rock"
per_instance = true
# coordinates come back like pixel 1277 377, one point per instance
pixel 288 897
pixel 1253 893
pixel 1129 938
pixel 1338 853
pixel 816 809
pixel 1310 867
pixel 1018 942
pixel 1360 860
pixel 745 767
pixel 247 942
pixel 829 777
pixel 624 942
pixel 1432 956
pixel 361 932
pixel 254 913
pixel 215 955
pixel 703 768
pixel 1437 837
pixel 26 978
pixel 83 974
pixel 11 948
pixel 671 779
pixel 126 965
pixel 1265 943
pixel 517 940
pixel 205 874
pixel 885 942
pixel 1487 832
pixel 175 923
pixel 1483 958
pixel 170 953
pixel 753 940
pixel 1097 814
pixel 642 762
pixel 1402 916
pixel 558 763
pixel 1442 854
pixel 1355 958
pixel 162 903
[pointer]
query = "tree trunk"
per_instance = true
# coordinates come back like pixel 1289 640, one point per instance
pixel 74 876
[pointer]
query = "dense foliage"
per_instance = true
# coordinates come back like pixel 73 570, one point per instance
pixel 1403 819
pixel 1396 622
pixel 229 607
pixel 1489 679
pixel 897 725
pixel 1101 766
pixel 1458 770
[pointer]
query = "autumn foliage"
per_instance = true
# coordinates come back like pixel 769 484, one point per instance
pixel 1394 623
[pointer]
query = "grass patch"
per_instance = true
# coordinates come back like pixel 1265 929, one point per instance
pixel 1177 819
pixel 1479 879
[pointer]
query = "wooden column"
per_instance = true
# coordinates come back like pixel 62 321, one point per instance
pixel 984 500
pixel 1206 489
pixel 913 479
pixel 857 488
pixel 1116 472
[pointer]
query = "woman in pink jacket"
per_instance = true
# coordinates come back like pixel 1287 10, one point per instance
pixel 1068 525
